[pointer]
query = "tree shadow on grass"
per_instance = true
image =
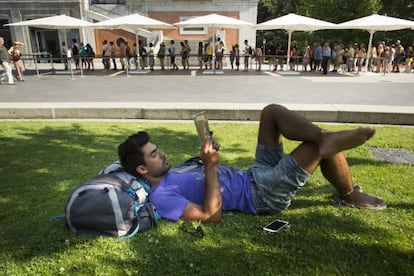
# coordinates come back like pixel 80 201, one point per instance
pixel 42 165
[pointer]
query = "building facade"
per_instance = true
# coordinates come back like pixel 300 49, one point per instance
pixel 170 11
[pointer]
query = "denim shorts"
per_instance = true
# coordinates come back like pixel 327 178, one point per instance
pixel 275 179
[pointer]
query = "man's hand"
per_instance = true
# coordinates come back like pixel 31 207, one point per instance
pixel 209 152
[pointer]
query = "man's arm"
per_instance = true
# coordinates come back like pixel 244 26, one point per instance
pixel 211 211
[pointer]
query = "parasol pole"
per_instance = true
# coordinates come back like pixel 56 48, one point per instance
pixel 214 51
pixel 288 48
pixel 371 35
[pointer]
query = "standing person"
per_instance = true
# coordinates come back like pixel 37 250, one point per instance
pixel 209 54
pixel 63 55
pixel 312 56
pixel 246 53
pixel 4 62
pixel 90 56
pixel 326 56
pixel 113 54
pixel 83 54
pixel 151 53
pixel 361 55
pixel 232 56
pixel 161 55
pixel 279 55
pixel 106 55
pixel 293 51
pixel 306 55
pixel 356 50
pixel 142 54
pixel 216 49
pixel 380 57
pixel 122 54
pixel 372 58
pixel 188 54
pixel 204 192
pixel 128 53
pixel 341 58
pixel 15 54
pixel 200 55
pixel 258 56
pixel 317 56
pixel 334 55
pixel 388 58
pixel 409 59
pixel 183 54
pixel 172 51
pixel 398 55
pixel 219 55
pixel 75 52
pixel 237 56
pixel 350 57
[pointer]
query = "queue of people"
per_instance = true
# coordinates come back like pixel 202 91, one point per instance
pixel 327 57
pixel 143 57
pixel 313 57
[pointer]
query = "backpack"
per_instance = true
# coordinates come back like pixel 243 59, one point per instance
pixel 114 203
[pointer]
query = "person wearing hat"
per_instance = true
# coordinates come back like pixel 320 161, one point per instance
pixel 15 53
pixel 4 62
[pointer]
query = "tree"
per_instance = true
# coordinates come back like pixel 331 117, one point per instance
pixel 398 8
pixel 269 9
pixel 339 11
pixel 336 12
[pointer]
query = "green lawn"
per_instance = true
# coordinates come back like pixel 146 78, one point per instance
pixel 41 162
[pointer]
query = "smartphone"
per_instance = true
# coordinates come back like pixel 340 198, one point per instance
pixel 276 226
pixel 201 124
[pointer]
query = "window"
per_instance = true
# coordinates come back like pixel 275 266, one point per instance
pixel 192 30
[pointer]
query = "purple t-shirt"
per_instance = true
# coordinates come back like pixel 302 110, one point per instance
pixel 184 184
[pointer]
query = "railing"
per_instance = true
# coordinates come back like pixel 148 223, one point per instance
pixel 273 61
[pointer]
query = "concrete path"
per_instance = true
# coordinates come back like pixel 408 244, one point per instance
pixel 227 95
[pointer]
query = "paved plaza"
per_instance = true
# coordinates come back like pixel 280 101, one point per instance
pixel 226 95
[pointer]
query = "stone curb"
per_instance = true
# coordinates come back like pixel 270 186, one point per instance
pixel 395 115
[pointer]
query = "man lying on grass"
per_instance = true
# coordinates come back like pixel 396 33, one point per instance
pixel 268 186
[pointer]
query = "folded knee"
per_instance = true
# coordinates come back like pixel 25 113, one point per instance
pixel 273 108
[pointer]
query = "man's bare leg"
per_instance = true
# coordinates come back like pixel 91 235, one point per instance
pixel 336 170
pixel 334 142
pixel 277 120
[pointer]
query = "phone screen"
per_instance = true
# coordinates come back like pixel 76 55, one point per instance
pixel 276 226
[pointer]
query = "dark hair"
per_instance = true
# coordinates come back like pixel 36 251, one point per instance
pixel 130 152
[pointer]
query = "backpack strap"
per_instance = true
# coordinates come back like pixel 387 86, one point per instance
pixel 136 184
pixel 56 217
pixel 136 230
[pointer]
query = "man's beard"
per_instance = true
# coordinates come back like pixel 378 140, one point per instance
pixel 163 170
